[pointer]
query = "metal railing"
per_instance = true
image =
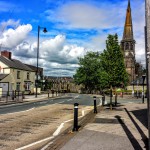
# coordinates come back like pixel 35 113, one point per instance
pixel 9 96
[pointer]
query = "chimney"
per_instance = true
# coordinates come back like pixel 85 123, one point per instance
pixel 6 54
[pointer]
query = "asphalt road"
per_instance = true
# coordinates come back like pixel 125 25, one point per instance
pixel 81 99
pixel 70 99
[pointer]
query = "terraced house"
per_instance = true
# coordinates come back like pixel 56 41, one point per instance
pixel 14 75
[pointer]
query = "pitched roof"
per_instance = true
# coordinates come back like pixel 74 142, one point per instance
pixel 2 76
pixel 34 67
pixel 13 63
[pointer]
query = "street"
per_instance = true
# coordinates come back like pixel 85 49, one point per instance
pixel 70 99
pixel 28 123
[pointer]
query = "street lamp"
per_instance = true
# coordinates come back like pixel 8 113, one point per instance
pixel 137 82
pixel 133 89
pixel 37 70
pixel 143 77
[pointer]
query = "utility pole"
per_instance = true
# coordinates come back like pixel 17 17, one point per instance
pixel 147 51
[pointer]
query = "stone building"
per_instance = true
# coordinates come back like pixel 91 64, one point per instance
pixel 128 45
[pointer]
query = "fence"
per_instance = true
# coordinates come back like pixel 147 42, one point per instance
pixel 6 96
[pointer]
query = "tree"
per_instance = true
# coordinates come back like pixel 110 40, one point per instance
pixel 113 62
pixel 90 73
pixel 98 71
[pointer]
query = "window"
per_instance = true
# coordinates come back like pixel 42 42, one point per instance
pixel 27 86
pixel 18 74
pixel 28 75
pixel 127 46
pixel 18 86
pixel 131 46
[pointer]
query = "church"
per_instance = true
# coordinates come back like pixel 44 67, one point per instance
pixel 128 45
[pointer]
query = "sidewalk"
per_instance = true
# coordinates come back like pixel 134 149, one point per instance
pixel 28 98
pixel 123 128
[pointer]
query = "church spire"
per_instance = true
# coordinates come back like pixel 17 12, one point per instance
pixel 128 29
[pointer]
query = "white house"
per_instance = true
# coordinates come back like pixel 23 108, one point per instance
pixel 14 75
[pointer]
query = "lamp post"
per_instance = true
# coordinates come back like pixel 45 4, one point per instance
pixel 132 67
pixel 143 77
pixel 133 89
pixel 37 70
pixel 137 82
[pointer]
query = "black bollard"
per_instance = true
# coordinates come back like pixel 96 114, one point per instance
pixel 48 94
pixel 15 94
pixel 115 99
pixel 95 108
pixel 111 99
pixel 103 100
pixel 7 96
pixel 142 97
pixel 75 128
pixel 18 95
pixel 12 95
pixel 23 97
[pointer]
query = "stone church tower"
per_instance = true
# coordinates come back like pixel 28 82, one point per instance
pixel 128 45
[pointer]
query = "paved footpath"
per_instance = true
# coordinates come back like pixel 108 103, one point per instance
pixel 123 128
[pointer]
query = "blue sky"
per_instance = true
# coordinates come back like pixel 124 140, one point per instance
pixel 74 27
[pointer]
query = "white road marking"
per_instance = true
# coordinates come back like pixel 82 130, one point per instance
pixel 50 138
pixel 58 103
pixel 76 96
pixel 130 102
pixel 100 102
pixel 83 113
pixel 58 129
pixel 32 144
pixel 45 147
pixel 19 111
pixel 69 100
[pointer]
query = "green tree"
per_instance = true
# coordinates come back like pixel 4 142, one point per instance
pixel 87 73
pixel 91 73
pixel 98 71
pixel 113 62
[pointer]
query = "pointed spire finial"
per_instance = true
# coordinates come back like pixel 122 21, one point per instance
pixel 128 2
pixel 128 5
pixel 128 31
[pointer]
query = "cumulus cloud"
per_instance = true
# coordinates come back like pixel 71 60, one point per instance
pixel 10 22
pixel 54 54
pixel 74 15
pixel 12 37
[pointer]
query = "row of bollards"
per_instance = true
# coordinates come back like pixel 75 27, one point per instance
pixel 75 124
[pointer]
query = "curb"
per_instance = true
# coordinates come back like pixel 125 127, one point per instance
pixel 60 140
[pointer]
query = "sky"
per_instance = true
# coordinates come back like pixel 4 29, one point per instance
pixel 74 28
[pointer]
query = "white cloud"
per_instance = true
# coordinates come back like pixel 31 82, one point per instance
pixel 85 15
pixel 12 37
pixel 9 22
pixel 54 54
